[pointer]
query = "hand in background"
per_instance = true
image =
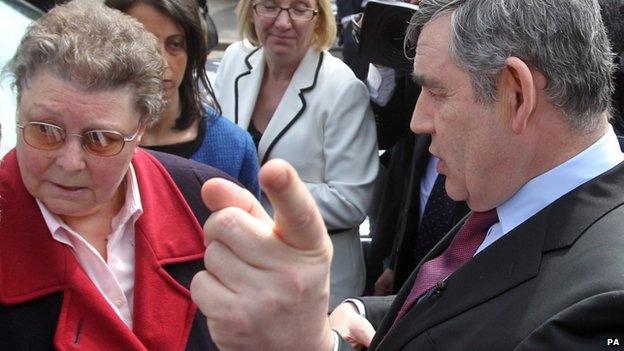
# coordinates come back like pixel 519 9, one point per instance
pixel 383 285
pixel 352 327
pixel 266 283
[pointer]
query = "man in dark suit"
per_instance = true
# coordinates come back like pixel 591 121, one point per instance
pixel 522 135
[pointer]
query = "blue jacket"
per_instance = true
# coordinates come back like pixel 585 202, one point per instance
pixel 229 148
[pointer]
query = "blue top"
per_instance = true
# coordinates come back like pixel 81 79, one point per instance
pixel 229 148
pixel 223 145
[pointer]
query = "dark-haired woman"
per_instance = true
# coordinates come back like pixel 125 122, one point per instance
pixel 191 124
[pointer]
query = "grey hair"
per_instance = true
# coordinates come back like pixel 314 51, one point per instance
pixel 96 48
pixel 564 40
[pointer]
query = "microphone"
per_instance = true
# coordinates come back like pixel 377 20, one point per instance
pixel 439 287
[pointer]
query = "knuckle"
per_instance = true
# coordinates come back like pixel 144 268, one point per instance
pixel 213 256
pixel 299 220
pixel 266 301
pixel 223 220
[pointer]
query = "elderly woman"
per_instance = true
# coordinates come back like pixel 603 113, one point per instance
pixel 303 105
pixel 97 243
pixel 191 125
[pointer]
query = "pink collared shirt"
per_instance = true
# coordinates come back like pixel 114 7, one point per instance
pixel 115 278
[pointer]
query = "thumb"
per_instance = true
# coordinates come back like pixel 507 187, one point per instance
pixel 297 220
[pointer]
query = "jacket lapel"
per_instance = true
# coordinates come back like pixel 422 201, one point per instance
pixel 163 310
pixel 293 103
pixel 87 321
pixel 247 86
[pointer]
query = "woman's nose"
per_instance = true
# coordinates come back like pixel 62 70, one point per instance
pixel 71 156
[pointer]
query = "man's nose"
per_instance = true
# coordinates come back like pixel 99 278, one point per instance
pixel 422 117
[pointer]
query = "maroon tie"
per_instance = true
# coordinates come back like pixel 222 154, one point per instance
pixel 461 249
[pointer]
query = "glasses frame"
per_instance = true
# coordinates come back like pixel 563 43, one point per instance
pixel 287 9
pixel 65 134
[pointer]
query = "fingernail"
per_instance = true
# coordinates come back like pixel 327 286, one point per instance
pixel 279 180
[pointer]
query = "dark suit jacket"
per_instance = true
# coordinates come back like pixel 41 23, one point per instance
pixel 553 283
pixel 46 299
pixel 189 176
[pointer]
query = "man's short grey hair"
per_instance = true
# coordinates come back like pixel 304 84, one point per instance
pixel 564 40
pixel 95 47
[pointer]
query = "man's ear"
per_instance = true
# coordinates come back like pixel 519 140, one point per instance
pixel 519 82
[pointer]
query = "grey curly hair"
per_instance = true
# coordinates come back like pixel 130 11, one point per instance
pixel 96 48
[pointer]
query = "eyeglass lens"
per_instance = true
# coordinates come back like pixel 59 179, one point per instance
pixel 297 12
pixel 46 136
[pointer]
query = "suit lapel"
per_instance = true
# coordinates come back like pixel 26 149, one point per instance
pixel 292 104
pixel 388 320
pixel 246 87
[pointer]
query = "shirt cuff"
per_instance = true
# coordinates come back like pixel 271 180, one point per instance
pixel 336 340
pixel 359 305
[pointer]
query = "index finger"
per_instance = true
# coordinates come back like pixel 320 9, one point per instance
pixel 219 193
pixel 297 219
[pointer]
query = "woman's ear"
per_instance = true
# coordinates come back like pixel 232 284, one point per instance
pixel 142 129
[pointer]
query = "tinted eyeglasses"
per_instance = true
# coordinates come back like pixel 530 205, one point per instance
pixel 297 12
pixel 47 136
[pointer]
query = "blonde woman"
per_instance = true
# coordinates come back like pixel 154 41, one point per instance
pixel 305 106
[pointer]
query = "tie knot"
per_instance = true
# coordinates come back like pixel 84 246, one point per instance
pixel 481 221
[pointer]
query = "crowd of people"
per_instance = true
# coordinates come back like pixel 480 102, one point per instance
pixel 147 208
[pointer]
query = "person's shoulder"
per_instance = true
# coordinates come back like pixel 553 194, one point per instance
pixel 235 47
pixel 218 126
pixel 334 70
pixel 179 166
pixel 334 65
pixel 238 51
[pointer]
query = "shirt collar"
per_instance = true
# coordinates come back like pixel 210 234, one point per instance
pixel 132 209
pixel 544 189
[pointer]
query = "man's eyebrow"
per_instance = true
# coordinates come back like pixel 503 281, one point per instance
pixel 425 81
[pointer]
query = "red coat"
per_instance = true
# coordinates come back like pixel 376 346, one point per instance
pixel 34 268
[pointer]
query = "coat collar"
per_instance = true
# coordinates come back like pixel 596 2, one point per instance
pixel 163 311
pixel 292 105
pixel 517 256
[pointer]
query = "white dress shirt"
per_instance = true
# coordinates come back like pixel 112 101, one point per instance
pixel 546 188
pixel 115 278
pixel 381 83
